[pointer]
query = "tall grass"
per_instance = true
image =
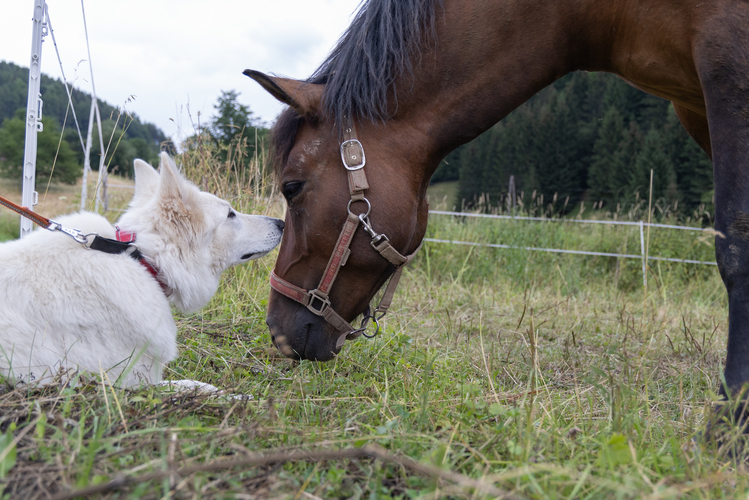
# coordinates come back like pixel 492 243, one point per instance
pixel 498 373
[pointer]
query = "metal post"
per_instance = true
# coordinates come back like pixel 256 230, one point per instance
pixel 29 196
pixel 644 262
pixel 87 156
pixel 95 104
pixel 511 195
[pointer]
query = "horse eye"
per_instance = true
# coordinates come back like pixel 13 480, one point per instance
pixel 291 189
pixel 232 214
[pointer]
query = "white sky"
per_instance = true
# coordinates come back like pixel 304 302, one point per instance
pixel 178 54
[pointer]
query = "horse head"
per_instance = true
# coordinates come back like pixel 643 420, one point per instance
pixel 314 158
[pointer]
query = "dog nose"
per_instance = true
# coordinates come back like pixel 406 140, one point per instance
pixel 280 224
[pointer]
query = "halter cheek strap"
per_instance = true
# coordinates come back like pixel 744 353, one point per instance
pixel 317 300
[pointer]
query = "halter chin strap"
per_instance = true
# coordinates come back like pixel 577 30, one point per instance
pixel 318 300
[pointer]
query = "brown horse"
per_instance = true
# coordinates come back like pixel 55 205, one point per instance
pixel 414 79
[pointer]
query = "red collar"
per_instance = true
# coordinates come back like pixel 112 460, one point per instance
pixel 129 237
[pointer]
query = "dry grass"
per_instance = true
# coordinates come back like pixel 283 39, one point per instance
pixel 538 379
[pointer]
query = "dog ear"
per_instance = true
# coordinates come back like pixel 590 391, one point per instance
pixel 172 185
pixel 146 182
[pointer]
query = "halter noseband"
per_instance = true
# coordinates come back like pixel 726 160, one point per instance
pixel 317 300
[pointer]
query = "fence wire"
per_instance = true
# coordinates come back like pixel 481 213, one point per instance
pixel 640 224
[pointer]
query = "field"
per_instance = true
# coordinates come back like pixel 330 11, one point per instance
pixel 500 373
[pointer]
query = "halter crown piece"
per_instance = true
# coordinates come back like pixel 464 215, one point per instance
pixel 317 300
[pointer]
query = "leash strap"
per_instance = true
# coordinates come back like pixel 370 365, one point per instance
pixel 44 222
pixel 123 244
pixel 35 217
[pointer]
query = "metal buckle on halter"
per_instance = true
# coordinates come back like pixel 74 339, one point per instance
pixel 353 143
pixel 324 302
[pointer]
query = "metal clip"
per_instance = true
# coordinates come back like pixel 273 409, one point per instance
pixel 377 238
pixel 76 234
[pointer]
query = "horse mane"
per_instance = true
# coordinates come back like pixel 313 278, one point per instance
pixel 381 44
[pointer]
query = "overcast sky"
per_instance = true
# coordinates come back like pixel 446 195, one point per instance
pixel 178 54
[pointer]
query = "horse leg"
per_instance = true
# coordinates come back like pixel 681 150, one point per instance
pixel 696 126
pixel 723 65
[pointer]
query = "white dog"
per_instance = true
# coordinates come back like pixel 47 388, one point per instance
pixel 64 307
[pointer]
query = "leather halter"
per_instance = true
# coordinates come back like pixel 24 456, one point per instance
pixel 318 300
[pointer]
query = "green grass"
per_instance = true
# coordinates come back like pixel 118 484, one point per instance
pixel 531 375
pixel 9 226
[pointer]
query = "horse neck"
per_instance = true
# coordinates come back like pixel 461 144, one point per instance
pixel 491 56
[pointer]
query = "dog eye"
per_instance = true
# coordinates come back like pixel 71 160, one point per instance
pixel 291 189
pixel 232 214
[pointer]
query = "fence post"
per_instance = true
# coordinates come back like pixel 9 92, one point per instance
pixel 511 194
pixel 642 252
pixel 29 195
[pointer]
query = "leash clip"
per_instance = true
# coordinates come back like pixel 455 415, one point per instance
pixel 76 234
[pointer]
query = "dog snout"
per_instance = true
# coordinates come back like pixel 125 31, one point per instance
pixel 279 224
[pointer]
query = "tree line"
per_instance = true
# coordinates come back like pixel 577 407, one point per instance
pixel 130 137
pixel 234 131
pixel 588 137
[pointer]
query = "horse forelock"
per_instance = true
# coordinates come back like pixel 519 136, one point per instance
pixel 381 44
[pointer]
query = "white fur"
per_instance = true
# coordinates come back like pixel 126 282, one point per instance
pixel 64 308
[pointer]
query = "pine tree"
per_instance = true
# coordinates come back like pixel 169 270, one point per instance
pixel 601 175
pixel 652 156
pixel 559 167
pixel 624 163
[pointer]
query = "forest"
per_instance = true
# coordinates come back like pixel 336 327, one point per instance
pixel 130 137
pixel 588 137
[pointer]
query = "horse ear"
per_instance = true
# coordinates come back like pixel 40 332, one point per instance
pixel 146 181
pixel 304 97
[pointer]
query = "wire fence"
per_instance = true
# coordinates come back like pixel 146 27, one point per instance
pixel 643 256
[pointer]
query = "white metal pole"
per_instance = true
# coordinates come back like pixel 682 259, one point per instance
pixel 29 196
pixel 87 155
pixel 96 108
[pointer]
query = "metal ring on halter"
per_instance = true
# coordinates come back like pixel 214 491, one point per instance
pixel 362 330
pixel 369 206
pixel 364 327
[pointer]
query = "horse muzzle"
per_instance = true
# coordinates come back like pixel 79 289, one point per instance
pixel 298 333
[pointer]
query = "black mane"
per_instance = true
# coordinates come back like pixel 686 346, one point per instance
pixel 380 45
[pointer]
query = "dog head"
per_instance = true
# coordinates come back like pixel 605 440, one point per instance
pixel 190 236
